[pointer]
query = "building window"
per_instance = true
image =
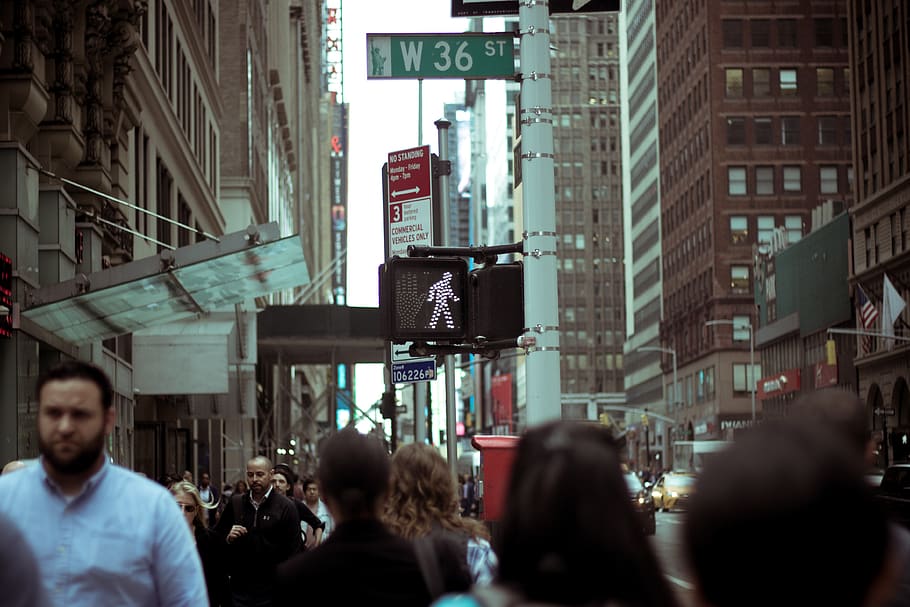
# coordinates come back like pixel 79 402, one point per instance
pixel 736 181
pixel 786 33
pixel 734 82
pixel 824 32
pixel 762 131
pixel 739 229
pixel 765 230
pixel 761 82
pixel 736 131
pixel 733 33
pixel 741 328
pixel 789 130
pixel 764 180
pixel 739 279
pixel 850 179
pixel 827 130
pixel 761 33
pixel 743 381
pixel 827 179
pixel 709 383
pixel 824 81
pixel 793 224
pixel 789 86
pixel 793 179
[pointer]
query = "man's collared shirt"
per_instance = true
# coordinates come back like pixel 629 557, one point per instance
pixel 121 541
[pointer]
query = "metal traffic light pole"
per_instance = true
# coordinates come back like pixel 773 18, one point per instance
pixel 541 335
pixel 442 126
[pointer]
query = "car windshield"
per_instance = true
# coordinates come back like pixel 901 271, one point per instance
pixel 680 481
pixel 633 482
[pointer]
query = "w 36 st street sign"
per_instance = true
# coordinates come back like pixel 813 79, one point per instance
pixel 471 55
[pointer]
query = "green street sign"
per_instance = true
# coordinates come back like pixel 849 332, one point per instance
pixel 471 55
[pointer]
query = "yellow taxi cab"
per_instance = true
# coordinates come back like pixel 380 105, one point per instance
pixel 673 490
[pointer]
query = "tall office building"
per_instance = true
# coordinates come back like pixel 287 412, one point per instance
pixel 644 386
pixel 879 59
pixel 754 132
pixel 586 132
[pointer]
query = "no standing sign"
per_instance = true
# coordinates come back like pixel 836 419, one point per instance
pixel 410 200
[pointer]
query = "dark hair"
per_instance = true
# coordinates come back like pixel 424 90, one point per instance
pixel 790 500
pixel 569 534
pixel 77 369
pixel 285 469
pixel 838 409
pixel 354 472
pixel 308 480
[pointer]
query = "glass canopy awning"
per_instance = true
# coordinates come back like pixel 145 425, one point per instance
pixel 173 285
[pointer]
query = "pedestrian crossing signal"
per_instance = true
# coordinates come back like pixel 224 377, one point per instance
pixel 424 298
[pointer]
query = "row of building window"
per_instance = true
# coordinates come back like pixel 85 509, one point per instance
pixel 829 81
pixel 765 226
pixel 827 32
pixel 686 204
pixel 829 130
pixel 891 231
pixel 765 183
pixel 700 387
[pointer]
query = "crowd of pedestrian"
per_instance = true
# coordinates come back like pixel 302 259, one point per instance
pixel 785 517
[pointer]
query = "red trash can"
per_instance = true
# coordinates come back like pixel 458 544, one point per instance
pixel 496 455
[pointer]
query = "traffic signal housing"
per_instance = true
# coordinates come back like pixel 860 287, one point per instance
pixel 436 299
pixel 423 298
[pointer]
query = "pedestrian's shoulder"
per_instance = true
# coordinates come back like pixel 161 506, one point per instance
pixel 130 483
pixel 30 476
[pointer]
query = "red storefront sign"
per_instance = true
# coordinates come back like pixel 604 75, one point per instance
pixel 825 375
pixel 501 392
pixel 776 385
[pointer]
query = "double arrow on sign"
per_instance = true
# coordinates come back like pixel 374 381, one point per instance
pixel 403 192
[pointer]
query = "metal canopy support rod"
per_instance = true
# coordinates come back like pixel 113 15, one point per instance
pixel 539 204
pixel 442 126
pixel 78 185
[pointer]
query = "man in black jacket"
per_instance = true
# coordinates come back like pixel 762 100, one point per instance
pixel 261 529
pixel 354 477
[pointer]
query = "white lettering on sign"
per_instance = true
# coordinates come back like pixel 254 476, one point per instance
pixel 735 424
pixel 401 156
pixel 411 55
pixel 772 385
pixel 491 48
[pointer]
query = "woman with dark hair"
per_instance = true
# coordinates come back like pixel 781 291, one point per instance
pixel 190 502
pixel 423 502
pixel 569 535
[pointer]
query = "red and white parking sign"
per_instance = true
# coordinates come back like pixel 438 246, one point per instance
pixel 410 199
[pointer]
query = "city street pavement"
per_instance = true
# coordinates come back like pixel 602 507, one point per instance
pixel 667 544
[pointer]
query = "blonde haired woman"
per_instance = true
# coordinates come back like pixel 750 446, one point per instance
pixel 423 501
pixel 190 502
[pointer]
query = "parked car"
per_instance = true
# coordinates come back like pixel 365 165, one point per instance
pixel 894 493
pixel 673 490
pixel 642 502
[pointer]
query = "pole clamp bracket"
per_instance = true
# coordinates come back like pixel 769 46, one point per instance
pixel 532 30
pixel 538 253
pixel 533 155
pixel 535 76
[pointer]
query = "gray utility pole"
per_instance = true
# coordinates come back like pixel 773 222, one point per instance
pixel 541 335
pixel 442 126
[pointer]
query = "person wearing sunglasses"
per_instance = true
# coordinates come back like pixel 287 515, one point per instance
pixel 195 514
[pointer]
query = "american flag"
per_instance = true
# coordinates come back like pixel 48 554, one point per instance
pixel 867 315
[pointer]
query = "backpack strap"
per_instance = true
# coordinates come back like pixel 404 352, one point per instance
pixel 429 566
pixel 237 508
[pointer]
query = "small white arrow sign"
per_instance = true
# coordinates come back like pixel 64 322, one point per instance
pixel 577 4
pixel 403 192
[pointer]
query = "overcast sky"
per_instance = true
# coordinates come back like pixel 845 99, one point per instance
pixel 383 118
